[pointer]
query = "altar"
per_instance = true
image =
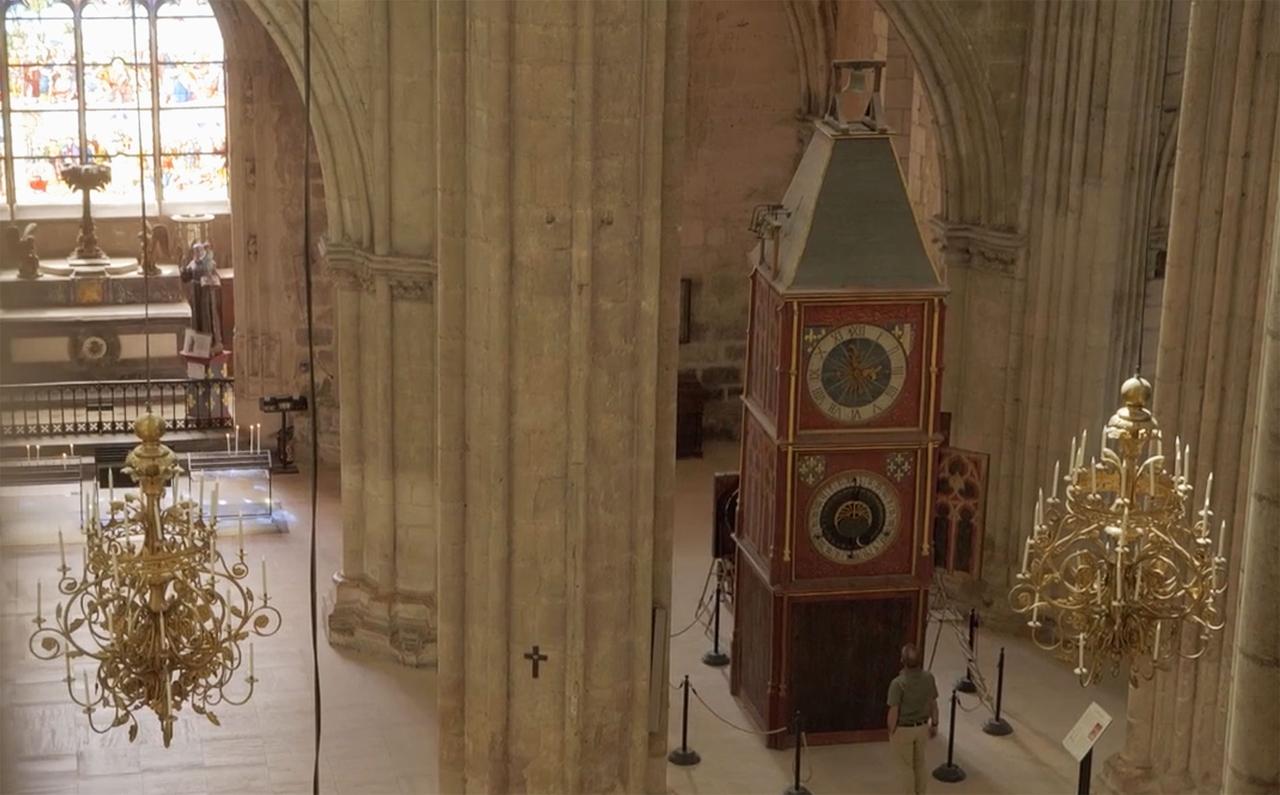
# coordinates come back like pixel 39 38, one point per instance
pixel 96 316
pixel 67 327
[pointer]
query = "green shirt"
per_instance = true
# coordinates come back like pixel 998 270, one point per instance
pixel 912 692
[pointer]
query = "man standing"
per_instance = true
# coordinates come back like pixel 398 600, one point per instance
pixel 913 717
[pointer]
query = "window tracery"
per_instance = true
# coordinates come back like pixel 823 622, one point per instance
pixel 75 83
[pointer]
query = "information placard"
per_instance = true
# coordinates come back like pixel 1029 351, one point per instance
pixel 1086 732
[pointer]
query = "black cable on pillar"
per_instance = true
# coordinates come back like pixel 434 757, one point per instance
pixel 145 252
pixel 311 369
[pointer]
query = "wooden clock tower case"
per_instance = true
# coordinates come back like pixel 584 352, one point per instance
pixel 839 440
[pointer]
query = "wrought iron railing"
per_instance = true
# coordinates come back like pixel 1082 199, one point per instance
pixel 101 407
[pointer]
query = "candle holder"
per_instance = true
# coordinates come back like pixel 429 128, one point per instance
pixel 87 177
pixel 156 605
pixel 1115 568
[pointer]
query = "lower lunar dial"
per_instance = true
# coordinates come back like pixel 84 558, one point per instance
pixel 853 517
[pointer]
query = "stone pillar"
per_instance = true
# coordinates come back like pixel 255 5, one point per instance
pixel 386 588
pixel 1221 231
pixel 559 151
pixel 1094 74
pixel 1253 731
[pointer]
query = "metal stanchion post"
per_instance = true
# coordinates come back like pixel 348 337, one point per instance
pixel 950 772
pixel 684 755
pixel 796 787
pixel 966 685
pixel 998 725
pixel 715 657
pixel 1086 773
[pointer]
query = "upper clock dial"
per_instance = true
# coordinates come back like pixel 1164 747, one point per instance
pixel 856 372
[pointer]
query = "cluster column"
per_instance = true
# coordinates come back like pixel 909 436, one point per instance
pixel 1092 112
pixel 385 600
pixel 1253 731
pixel 1209 391
pixel 560 128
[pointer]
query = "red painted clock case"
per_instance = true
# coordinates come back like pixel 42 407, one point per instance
pixel 811 632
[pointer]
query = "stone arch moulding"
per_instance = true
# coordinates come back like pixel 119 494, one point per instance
pixel 970 151
pixel 343 153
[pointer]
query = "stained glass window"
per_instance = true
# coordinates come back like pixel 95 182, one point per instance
pixel 137 84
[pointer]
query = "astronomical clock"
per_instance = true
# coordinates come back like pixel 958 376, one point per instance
pixel 840 434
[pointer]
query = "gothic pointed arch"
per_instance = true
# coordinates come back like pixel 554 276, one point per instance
pixel 343 151
pixel 974 183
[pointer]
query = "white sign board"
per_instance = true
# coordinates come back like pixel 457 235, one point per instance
pixel 196 344
pixel 1086 732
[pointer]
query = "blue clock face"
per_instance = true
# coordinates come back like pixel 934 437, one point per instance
pixel 856 372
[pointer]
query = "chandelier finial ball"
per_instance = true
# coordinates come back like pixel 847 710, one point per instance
pixel 149 427
pixel 1136 392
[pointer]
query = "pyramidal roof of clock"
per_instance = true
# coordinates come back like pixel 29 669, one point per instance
pixel 850 224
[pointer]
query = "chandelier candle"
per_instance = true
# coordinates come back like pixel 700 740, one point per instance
pixel 157 613
pixel 1113 525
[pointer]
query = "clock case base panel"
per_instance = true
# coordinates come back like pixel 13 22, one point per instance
pixel 830 654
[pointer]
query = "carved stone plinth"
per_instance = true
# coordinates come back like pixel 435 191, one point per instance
pixel 398 625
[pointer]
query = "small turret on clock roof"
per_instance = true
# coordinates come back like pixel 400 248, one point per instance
pixel 846 221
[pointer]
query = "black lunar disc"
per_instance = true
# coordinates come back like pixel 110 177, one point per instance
pixel 856 372
pixel 852 518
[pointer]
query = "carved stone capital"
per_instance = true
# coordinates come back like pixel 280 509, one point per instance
pixel 353 279
pixel 405 287
pixel 398 624
pixel 410 278
pixel 978 247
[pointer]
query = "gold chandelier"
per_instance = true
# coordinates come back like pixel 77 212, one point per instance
pixel 156 605
pixel 1116 568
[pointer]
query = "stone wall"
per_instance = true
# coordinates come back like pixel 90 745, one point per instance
pixel 743 142
pixel 266 123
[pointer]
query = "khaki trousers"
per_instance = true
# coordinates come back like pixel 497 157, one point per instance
pixel 908 744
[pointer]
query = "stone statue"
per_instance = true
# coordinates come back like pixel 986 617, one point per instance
pixel 18 249
pixel 206 293
pixel 154 245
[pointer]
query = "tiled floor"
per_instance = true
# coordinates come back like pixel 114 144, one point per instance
pixel 379 718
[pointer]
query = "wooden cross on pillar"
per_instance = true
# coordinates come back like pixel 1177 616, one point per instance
pixel 535 657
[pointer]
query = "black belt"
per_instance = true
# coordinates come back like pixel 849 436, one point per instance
pixel 913 725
